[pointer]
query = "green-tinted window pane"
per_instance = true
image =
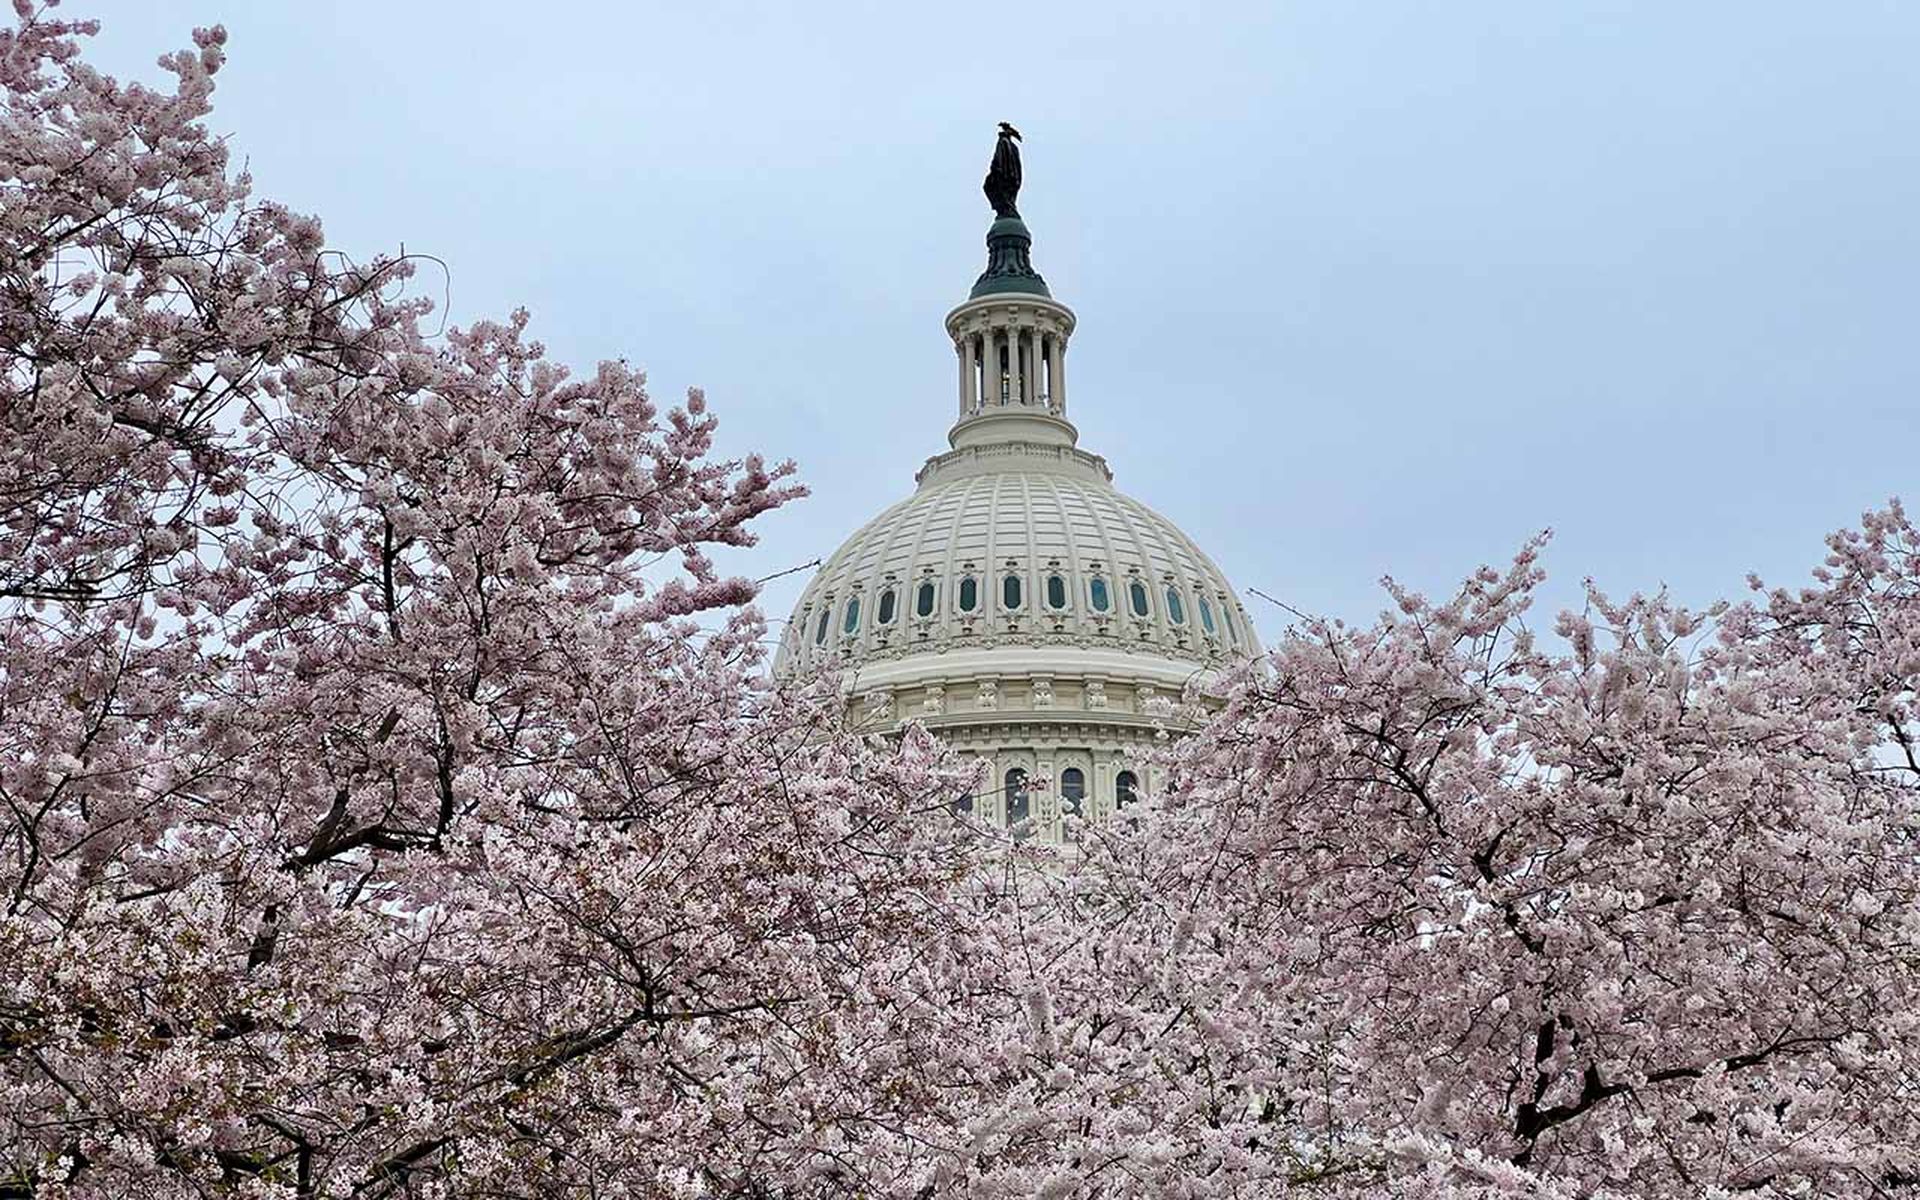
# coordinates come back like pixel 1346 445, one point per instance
pixel 1176 611
pixel 1056 592
pixel 1010 592
pixel 1137 592
pixel 923 605
pixel 969 594
pixel 886 607
pixel 1097 592
pixel 853 614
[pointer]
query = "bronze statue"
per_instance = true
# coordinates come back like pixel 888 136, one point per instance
pixel 1003 177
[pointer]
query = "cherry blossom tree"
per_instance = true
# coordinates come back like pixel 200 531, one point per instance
pixel 1440 907
pixel 391 804
pixel 376 818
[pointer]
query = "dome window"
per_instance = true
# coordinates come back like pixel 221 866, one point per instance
pixel 1010 592
pixel 1126 789
pixel 969 594
pixel 853 615
pixel 1206 617
pixel 1056 592
pixel 1019 803
pixel 884 615
pixel 1073 789
pixel 1137 596
pixel 1097 595
pixel 1176 611
pixel 923 602
pixel 1233 632
pixel 826 619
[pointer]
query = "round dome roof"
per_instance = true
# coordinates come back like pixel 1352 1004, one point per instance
pixel 1016 561
pixel 1019 556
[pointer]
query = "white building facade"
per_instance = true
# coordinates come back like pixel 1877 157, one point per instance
pixel 1017 604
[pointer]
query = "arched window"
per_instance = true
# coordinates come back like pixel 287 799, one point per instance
pixel 1019 805
pixel 1137 595
pixel 1126 789
pixel 885 613
pixel 1233 631
pixel 1073 789
pixel 1056 592
pixel 1206 615
pixel 853 615
pixel 969 594
pixel 923 602
pixel 962 804
pixel 1176 611
pixel 1010 592
pixel 826 618
pixel 1097 595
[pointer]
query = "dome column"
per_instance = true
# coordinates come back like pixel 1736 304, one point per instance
pixel 969 377
pixel 1022 365
pixel 1057 375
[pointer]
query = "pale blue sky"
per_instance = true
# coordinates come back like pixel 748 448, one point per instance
pixel 1361 288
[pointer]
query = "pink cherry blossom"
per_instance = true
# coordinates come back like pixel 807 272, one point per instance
pixel 1430 908
pixel 393 803
pixel 378 819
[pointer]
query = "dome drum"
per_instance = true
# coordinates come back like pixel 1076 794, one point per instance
pixel 1032 777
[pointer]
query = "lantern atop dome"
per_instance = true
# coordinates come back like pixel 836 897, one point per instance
pixel 1010 337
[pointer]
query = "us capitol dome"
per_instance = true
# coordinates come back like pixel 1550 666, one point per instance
pixel 1020 606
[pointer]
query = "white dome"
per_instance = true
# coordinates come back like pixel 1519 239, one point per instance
pixel 1017 604
pixel 894 604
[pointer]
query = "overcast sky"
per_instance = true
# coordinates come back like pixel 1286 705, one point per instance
pixel 1361 289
